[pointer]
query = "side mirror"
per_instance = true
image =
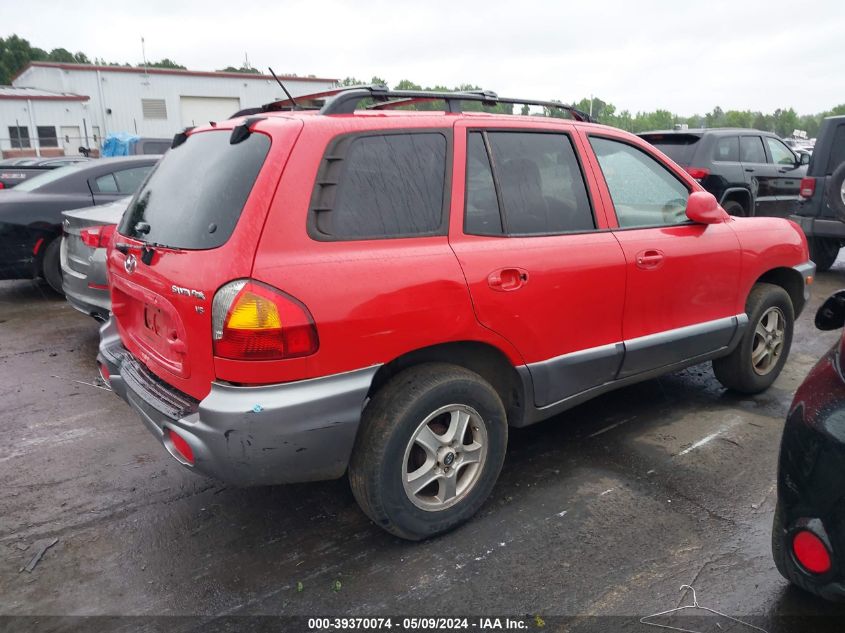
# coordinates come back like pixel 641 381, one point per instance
pixel 831 314
pixel 702 208
pixel 803 159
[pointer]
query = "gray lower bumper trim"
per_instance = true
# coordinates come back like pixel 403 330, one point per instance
pixel 285 433
pixel 820 227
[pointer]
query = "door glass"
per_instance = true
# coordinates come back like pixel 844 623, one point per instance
pixel 751 149
pixel 644 192
pixel 107 184
pixel 781 154
pixel 727 149
pixel 128 180
pixel 482 207
pixel 541 184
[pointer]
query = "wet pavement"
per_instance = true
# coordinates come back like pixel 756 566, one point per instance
pixel 603 511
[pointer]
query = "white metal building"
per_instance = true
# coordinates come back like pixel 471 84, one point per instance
pixel 80 100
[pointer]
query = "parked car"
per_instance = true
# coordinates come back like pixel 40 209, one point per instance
pixel 823 193
pixel 31 213
pixel 20 170
pixel 808 534
pixel 295 295
pixel 87 232
pixel 749 171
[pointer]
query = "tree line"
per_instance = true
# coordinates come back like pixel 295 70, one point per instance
pixel 16 52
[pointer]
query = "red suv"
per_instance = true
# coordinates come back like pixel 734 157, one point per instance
pixel 298 294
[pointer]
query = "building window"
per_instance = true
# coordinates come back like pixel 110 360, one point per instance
pixel 47 136
pixel 19 137
pixel 154 108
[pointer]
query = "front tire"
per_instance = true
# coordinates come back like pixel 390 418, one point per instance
pixel 430 448
pixel 51 266
pixel 762 352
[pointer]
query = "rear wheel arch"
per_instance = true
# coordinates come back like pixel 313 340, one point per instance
pixel 790 280
pixel 484 359
pixel 740 196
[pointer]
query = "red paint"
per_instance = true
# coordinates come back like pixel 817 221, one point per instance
pixel 372 301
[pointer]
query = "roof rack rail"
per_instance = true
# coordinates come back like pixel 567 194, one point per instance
pixel 346 100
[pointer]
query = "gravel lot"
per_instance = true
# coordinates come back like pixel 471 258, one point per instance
pixel 604 511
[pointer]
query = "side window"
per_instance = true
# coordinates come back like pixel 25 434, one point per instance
pixel 751 149
pixel 781 154
pixel 106 184
pixel 540 185
pixel 727 149
pixel 128 180
pixel 482 205
pixel 389 185
pixel 644 192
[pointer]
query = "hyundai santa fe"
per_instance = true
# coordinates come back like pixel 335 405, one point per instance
pixel 361 289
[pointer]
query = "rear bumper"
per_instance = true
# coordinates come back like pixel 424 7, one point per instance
pixel 247 436
pixel 95 302
pixel 820 227
pixel 811 478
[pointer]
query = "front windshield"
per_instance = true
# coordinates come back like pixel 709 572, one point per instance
pixel 52 175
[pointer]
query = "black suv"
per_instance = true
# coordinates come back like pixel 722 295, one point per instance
pixel 750 172
pixel 823 195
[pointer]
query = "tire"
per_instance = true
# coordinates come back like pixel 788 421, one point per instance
pixel 836 191
pixel 787 567
pixel 759 358
pixel 51 266
pixel 732 207
pixel 436 396
pixel 823 252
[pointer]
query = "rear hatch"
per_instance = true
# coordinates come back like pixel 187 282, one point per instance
pixel 192 227
pixel 678 146
pixel 76 255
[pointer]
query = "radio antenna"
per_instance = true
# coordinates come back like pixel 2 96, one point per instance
pixel 279 81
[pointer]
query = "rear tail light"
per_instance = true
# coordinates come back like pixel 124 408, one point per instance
pixel 2 186
pixel 181 446
pixel 808 187
pixel 811 552
pixel 699 173
pixel 97 236
pixel 254 321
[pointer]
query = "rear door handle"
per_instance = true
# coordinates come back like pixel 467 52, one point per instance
pixel 507 279
pixel 650 259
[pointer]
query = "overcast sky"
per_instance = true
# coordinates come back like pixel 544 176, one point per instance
pixel 640 55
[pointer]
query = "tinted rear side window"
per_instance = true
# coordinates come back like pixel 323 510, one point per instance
pixel 679 147
pixel 541 185
pixel 727 149
pixel 196 194
pixel 388 185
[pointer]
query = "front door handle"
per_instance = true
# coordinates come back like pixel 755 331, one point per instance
pixel 650 259
pixel 507 279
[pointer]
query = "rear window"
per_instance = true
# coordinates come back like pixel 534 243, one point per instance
pixel 195 196
pixel 679 147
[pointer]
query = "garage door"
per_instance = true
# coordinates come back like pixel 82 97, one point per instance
pixel 201 110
